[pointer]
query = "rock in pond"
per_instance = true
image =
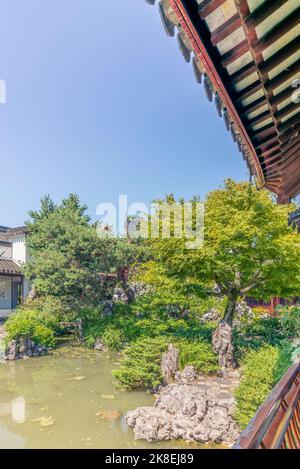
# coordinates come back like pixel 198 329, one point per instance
pixel 24 347
pixel 195 411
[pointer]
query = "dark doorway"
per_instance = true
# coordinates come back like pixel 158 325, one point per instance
pixel 16 292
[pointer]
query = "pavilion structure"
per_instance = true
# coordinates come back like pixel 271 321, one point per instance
pixel 247 55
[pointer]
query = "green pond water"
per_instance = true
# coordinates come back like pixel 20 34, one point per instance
pixel 68 400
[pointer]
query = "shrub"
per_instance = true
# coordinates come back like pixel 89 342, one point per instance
pixel 113 338
pixel 131 326
pixel 260 332
pixel 260 311
pixel 27 322
pixel 200 355
pixel 260 372
pixel 289 319
pixel 140 366
pixel 49 311
pixel 42 335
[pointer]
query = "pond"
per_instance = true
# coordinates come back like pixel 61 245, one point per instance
pixel 68 400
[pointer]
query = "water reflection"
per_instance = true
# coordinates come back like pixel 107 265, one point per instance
pixel 67 400
pixel 16 409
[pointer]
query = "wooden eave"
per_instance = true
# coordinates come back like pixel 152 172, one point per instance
pixel 247 52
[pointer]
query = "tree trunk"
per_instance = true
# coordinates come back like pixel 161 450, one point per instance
pixel 230 310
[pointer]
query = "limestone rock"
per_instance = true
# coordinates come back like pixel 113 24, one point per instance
pixel 187 376
pixel 212 315
pixel 222 345
pixel 169 364
pixel 12 350
pixel 108 308
pixel 194 412
pixel 242 313
pixel 24 347
pixel 99 345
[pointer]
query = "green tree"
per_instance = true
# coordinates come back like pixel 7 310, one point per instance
pixel 64 250
pixel 249 249
pixel 67 254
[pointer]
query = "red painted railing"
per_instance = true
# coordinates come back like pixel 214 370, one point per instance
pixel 276 424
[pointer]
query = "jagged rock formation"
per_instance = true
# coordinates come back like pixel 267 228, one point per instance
pixel 169 364
pixel 24 347
pixel 187 376
pixel 242 312
pixel 99 345
pixel 222 345
pixel 212 315
pixel 130 292
pixel 199 411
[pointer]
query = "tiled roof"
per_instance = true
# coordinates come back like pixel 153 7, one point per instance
pixel 3 236
pixel 9 267
pixel 7 233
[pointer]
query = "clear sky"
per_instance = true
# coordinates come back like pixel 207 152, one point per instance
pixel 100 102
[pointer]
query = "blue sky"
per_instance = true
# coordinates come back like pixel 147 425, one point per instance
pixel 100 102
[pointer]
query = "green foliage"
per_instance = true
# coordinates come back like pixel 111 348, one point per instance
pixel 256 334
pixel 200 355
pixel 248 249
pixel 268 330
pixel 49 311
pixel 156 322
pixel 260 372
pixel 28 323
pixel 141 363
pixel 113 338
pixel 64 249
pixel 285 359
pixel 289 318
pixel 140 367
pixel 67 254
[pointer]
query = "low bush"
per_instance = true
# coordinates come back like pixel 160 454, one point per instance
pixel 141 363
pixel 200 355
pixel 28 322
pixel 261 370
pixel 289 319
pixel 49 311
pixel 113 338
pixel 256 334
pixel 132 326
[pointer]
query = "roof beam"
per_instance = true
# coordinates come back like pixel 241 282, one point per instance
pixel 243 73
pixel 261 118
pixel 280 56
pixel 233 54
pixel 250 90
pixel 227 28
pixel 209 6
pixel 280 97
pixel 274 157
pixel 270 150
pixel 290 22
pixel 267 141
pixel 289 123
pixel 263 12
pixel 263 130
pixel 286 111
pixel 255 105
pixel 284 76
